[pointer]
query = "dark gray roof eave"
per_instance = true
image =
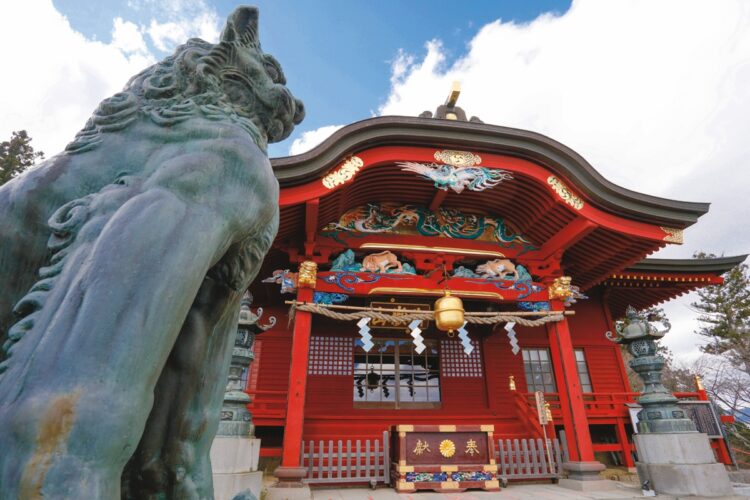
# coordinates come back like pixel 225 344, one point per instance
pixel 403 130
pixel 717 265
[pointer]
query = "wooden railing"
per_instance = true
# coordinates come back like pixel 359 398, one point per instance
pixel 527 413
pixel 357 462
pixel 603 404
pixel 743 458
pixel 528 459
pixel 268 404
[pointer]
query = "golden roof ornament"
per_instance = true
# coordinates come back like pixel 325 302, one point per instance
pixel 448 110
pixel 698 383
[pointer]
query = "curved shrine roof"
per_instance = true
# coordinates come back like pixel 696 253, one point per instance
pixel 555 198
pixel 480 137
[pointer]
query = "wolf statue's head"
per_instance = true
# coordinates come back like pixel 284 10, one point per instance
pixel 232 80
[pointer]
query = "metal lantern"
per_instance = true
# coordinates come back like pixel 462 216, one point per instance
pixel 449 312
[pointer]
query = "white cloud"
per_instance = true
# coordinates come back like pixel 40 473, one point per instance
pixel 165 35
pixel 53 82
pixel 127 37
pixel 655 95
pixel 310 139
pixel 175 21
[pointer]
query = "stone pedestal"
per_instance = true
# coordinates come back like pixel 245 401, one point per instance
pixel 681 464
pixel 235 466
pixel 584 476
pixel 289 485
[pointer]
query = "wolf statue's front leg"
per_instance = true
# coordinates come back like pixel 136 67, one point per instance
pixel 79 385
pixel 172 460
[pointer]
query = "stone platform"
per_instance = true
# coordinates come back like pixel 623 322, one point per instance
pixel 620 491
pixel 235 466
pixel 681 464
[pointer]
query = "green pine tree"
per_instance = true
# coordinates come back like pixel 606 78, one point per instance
pixel 725 316
pixel 16 155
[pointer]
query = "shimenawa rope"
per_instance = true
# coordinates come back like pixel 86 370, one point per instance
pixel 405 317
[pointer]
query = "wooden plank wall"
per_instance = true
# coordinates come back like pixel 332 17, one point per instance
pixel 330 413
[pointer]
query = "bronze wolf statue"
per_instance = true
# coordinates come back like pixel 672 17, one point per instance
pixel 123 261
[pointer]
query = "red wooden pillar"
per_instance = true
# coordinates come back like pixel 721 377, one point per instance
pixel 562 391
pixel 291 471
pixel 622 437
pixel 582 462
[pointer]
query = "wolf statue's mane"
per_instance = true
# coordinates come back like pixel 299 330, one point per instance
pixel 185 85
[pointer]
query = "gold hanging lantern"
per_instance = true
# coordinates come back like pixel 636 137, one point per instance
pixel 449 312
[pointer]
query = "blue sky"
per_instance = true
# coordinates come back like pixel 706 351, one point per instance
pixel 655 94
pixel 336 54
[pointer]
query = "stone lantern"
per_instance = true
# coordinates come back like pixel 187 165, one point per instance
pixel 235 451
pixel 673 457
pixel 236 419
pixel 660 412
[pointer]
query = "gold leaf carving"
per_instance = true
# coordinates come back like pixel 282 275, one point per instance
pixel 560 288
pixel 458 158
pixel 564 193
pixel 308 273
pixel 345 172
pixel 673 235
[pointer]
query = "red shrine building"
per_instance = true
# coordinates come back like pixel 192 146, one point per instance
pixel 390 213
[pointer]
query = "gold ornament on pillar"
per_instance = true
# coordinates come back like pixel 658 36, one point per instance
pixel 512 383
pixel 308 273
pixel 560 289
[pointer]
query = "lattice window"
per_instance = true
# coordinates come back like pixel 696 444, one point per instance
pixel 583 371
pixel 330 355
pixel 538 370
pixel 455 362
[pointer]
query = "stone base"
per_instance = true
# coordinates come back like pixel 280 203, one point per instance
pixel 584 476
pixel 234 461
pixel 740 476
pixel 227 486
pixel 280 492
pixel 595 485
pixel 234 454
pixel 290 477
pixel 681 464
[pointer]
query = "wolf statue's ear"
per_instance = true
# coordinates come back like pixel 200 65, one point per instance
pixel 242 26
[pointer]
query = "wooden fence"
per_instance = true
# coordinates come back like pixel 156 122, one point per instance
pixel 528 459
pixel 368 461
pixel 347 463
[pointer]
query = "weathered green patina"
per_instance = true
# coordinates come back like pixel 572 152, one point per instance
pixel 660 411
pixel 123 262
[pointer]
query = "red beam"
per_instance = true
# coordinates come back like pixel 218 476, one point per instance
pixel 311 225
pixel 538 174
pixel 364 284
pixel 566 238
